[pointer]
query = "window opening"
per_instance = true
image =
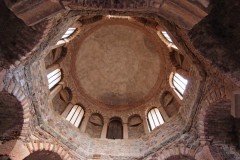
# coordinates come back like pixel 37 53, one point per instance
pixel 154 118
pixel 68 33
pixel 165 34
pixel 54 77
pixel 179 83
pixel 75 115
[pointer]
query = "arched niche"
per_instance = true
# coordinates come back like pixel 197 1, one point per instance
pixel 180 157
pixel 40 155
pixel 169 103
pixel 115 128
pixel 95 125
pixel 220 125
pixel 11 117
pixel 55 56
pixel 135 127
pixel 180 62
pixel 4 157
pixel 62 99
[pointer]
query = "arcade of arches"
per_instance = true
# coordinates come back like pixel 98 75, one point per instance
pixel 120 80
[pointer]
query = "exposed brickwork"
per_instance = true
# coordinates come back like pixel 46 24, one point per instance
pixel 39 155
pixel 48 149
pixel 200 126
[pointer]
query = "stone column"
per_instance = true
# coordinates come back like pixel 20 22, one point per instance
pixel 145 124
pixel 55 91
pixel 104 129
pixel 163 113
pixel 125 130
pixel 85 122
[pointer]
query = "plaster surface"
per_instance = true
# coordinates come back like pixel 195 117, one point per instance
pixel 119 72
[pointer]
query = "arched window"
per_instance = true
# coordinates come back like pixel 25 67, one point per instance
pixel 115 129
pixel 54 77
pixel 166 39
pixel 154 118
pixel 75 116
pixel 68 33
pixel 179 84
pixel 165 34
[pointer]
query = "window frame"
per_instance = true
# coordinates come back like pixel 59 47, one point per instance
pixel 181 82
pixel 54 77
pixel 75 115
pixel 156 120
pixel 66 35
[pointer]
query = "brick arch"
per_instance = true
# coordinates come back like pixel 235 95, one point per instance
pixel 180 150
pixel 11 117
pixel 17 97
pixel 214 96
pixel 35 146
pixel 15 89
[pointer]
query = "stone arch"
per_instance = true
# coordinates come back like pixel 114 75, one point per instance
pixel 11 117
pixel 39 155
pixel 169 103
pixel 177 151
pixel 16 90
pixel 95 125
pixel 14 93
pixel 46 147
pixel 115 128
pixel 135 127
pixel 214 96
pixel 216 125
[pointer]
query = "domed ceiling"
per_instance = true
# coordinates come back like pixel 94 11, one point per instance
pixel 118 64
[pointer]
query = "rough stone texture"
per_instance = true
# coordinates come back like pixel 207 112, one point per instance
pixel 17 38
pixel 180 158
pixel 217 37
pixel 190 132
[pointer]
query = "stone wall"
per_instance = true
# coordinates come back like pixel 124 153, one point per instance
pixel 203 127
